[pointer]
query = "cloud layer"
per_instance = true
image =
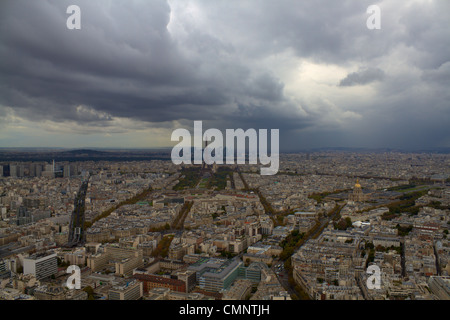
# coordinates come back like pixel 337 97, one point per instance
pixel 362 77
pixel 138 69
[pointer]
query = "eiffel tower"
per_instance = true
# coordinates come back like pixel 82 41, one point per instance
pixel 205 166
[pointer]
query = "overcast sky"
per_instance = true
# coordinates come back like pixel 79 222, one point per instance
pixel 137 70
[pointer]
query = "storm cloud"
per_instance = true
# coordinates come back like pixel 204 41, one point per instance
pixel 362 77
pixel 152 66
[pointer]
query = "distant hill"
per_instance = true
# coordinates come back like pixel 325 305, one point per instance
pixel 83 155
pixel 443 150
pixel 84 152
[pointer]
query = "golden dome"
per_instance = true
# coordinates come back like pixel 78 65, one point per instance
pixel 357 185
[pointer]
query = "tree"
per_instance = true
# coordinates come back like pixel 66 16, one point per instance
pixel 287 252
pixel 403 231
pixel 90 292
pixel 348 222
pixel 341 225
pixel 294 297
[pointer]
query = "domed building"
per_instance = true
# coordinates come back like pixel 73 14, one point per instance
pixel 357 195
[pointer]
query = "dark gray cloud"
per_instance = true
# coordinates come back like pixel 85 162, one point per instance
pixel 231 64
pixel 123 62
pixel 362 76
pixel 440 75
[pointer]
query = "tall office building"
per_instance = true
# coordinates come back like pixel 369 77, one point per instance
pixel 49 171
pixel 20 171
pixel 32 170
pixel 13 170
pixel 74 169
pixel 38 170
pixel 41 265
pixel 67 172
pixel 1 171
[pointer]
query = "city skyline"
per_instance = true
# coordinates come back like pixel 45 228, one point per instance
pixel 136 71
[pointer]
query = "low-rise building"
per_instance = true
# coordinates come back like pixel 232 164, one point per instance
pixel 128 289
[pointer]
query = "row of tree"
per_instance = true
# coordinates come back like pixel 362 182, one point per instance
pixel 162 249
pixel 139 197
pixel 178 222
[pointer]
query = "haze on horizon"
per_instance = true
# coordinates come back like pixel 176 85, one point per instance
pixel 137 70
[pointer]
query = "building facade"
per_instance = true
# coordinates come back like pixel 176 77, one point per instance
pixel 41 265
